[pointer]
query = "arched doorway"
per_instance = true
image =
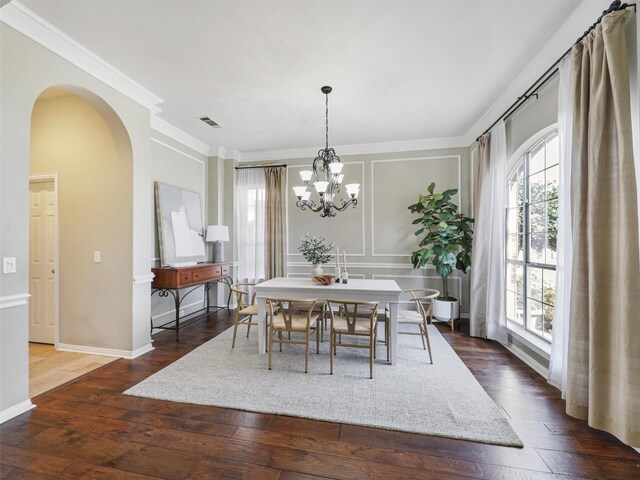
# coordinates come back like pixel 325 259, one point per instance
pixel 78 141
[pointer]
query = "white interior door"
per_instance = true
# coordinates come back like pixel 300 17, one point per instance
pixel 43 303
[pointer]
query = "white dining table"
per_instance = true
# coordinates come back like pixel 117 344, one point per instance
pixel 361 290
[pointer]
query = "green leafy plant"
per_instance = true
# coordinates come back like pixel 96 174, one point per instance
pixel 447 235
pixel 315 250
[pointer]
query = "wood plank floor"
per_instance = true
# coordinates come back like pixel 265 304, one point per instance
pixel 49 368
pixel 88 429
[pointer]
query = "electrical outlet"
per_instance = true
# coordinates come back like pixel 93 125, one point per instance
pixel 9 265
pixel 97 256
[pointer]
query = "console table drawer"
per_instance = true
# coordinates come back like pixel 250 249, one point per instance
pixel 206 273
pixel 185 277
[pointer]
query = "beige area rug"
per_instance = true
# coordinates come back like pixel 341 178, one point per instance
pixel 443 399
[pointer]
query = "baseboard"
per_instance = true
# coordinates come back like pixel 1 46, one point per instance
pixel 9 413
pixel 529 360
pixel 106 352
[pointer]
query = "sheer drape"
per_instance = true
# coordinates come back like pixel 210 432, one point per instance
pixel 275 222
pixel 488 264
pixel 250 224
pixel 560 339
pixel 603 383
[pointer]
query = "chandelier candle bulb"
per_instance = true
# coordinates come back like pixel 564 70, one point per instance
pixel 335 168
pixel 306 175
pixel 306 195
pixel 340 177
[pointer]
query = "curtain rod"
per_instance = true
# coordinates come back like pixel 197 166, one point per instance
pixel 546 76
pixel 261 166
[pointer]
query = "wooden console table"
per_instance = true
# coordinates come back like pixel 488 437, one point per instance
pixel 170 281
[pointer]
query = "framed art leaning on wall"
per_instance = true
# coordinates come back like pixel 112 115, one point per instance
pixel 180 226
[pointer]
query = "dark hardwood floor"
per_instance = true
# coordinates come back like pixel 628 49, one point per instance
pixel 88 429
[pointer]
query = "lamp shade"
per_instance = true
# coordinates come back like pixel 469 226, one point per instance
pixel 217 233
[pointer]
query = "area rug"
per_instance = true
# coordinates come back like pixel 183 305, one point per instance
pixel 441 399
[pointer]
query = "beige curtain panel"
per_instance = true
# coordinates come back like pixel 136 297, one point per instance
pixel 275 225
pixel 603 378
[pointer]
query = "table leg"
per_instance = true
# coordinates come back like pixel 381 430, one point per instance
pixel 262 324
pixel 393 334
pixel 177 300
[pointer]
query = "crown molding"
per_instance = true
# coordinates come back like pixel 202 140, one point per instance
pixel 168 129
pixel 362 149
pixel 19 17
pixel 565 36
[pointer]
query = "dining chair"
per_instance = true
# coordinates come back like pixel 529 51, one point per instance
pixel 291 316
pixel 423 299
pixel 353 319
pixel 244 312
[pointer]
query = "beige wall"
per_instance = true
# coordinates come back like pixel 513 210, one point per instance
pixel 175 164
pixel 70 137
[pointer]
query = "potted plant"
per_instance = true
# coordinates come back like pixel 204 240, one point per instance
pixel 446 243
pixel 315 251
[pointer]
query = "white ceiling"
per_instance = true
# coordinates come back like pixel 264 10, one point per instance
pixel 401 69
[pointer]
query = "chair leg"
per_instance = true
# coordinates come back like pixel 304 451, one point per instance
pixel 270 343
pixel 318 330
pixel 428 343
pixel 280 338
pixel 249 327
pixel 372 349
pixel 235 330
pixel 331 339
pixel 422 335
pixel 306 353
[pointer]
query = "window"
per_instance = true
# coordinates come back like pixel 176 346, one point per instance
pixel 532 216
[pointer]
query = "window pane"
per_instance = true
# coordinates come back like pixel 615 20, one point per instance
pixel 547 326
pixel 536 159
pixel 537 188
pixel 511 306
pixel 534 279
pixel 538 217
pixel 514 278
pixel 535 317
pixel 515 247
pixel 551 248
pixel 553 148
pixel 549 286
pixel 537 243
pixel 515 219
pixel 552 177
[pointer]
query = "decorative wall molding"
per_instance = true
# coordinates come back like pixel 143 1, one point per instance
pixel 107 352
pixel 392 160
pixel 172 312
pixel 306 275
pixel 180 136
pixel 19 17
pixel 9 413
pixel 10 301
pixel 359 149
pixel 289 254
pixel 142 279
pixel 407 266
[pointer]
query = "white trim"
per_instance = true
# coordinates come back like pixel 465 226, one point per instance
pixel 306 275
pixel 142 279
pixel 160 142
pixel 160 125
pixel 14 411
pixel 17 16
pixel 360 149
pixel 105 352
pixel 361 209
pixel 10 301
pixel 407 266
pixel 393 160
pixel 529 360
pixel 459 279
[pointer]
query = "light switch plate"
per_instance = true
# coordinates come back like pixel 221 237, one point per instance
pixel 9 265
pixel 97 256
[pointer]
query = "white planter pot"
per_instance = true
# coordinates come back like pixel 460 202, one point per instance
pixel 442 309
pixel 315 271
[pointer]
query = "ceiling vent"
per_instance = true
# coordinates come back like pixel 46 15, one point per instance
pixel 210 122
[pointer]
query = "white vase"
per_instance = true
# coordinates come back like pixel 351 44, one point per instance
pixel 315 271
pixel 442 310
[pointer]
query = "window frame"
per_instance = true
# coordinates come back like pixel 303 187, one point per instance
pixel 521 157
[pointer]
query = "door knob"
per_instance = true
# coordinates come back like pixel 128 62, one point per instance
pixel 53 270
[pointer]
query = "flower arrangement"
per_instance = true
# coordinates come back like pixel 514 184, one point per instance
pixel 315 250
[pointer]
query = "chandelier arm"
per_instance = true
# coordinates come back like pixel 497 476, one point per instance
pixel 310 205
pixel 345 205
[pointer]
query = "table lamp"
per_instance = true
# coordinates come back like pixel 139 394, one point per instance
pixel 217 234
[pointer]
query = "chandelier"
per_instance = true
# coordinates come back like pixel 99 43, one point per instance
pixel 327 179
